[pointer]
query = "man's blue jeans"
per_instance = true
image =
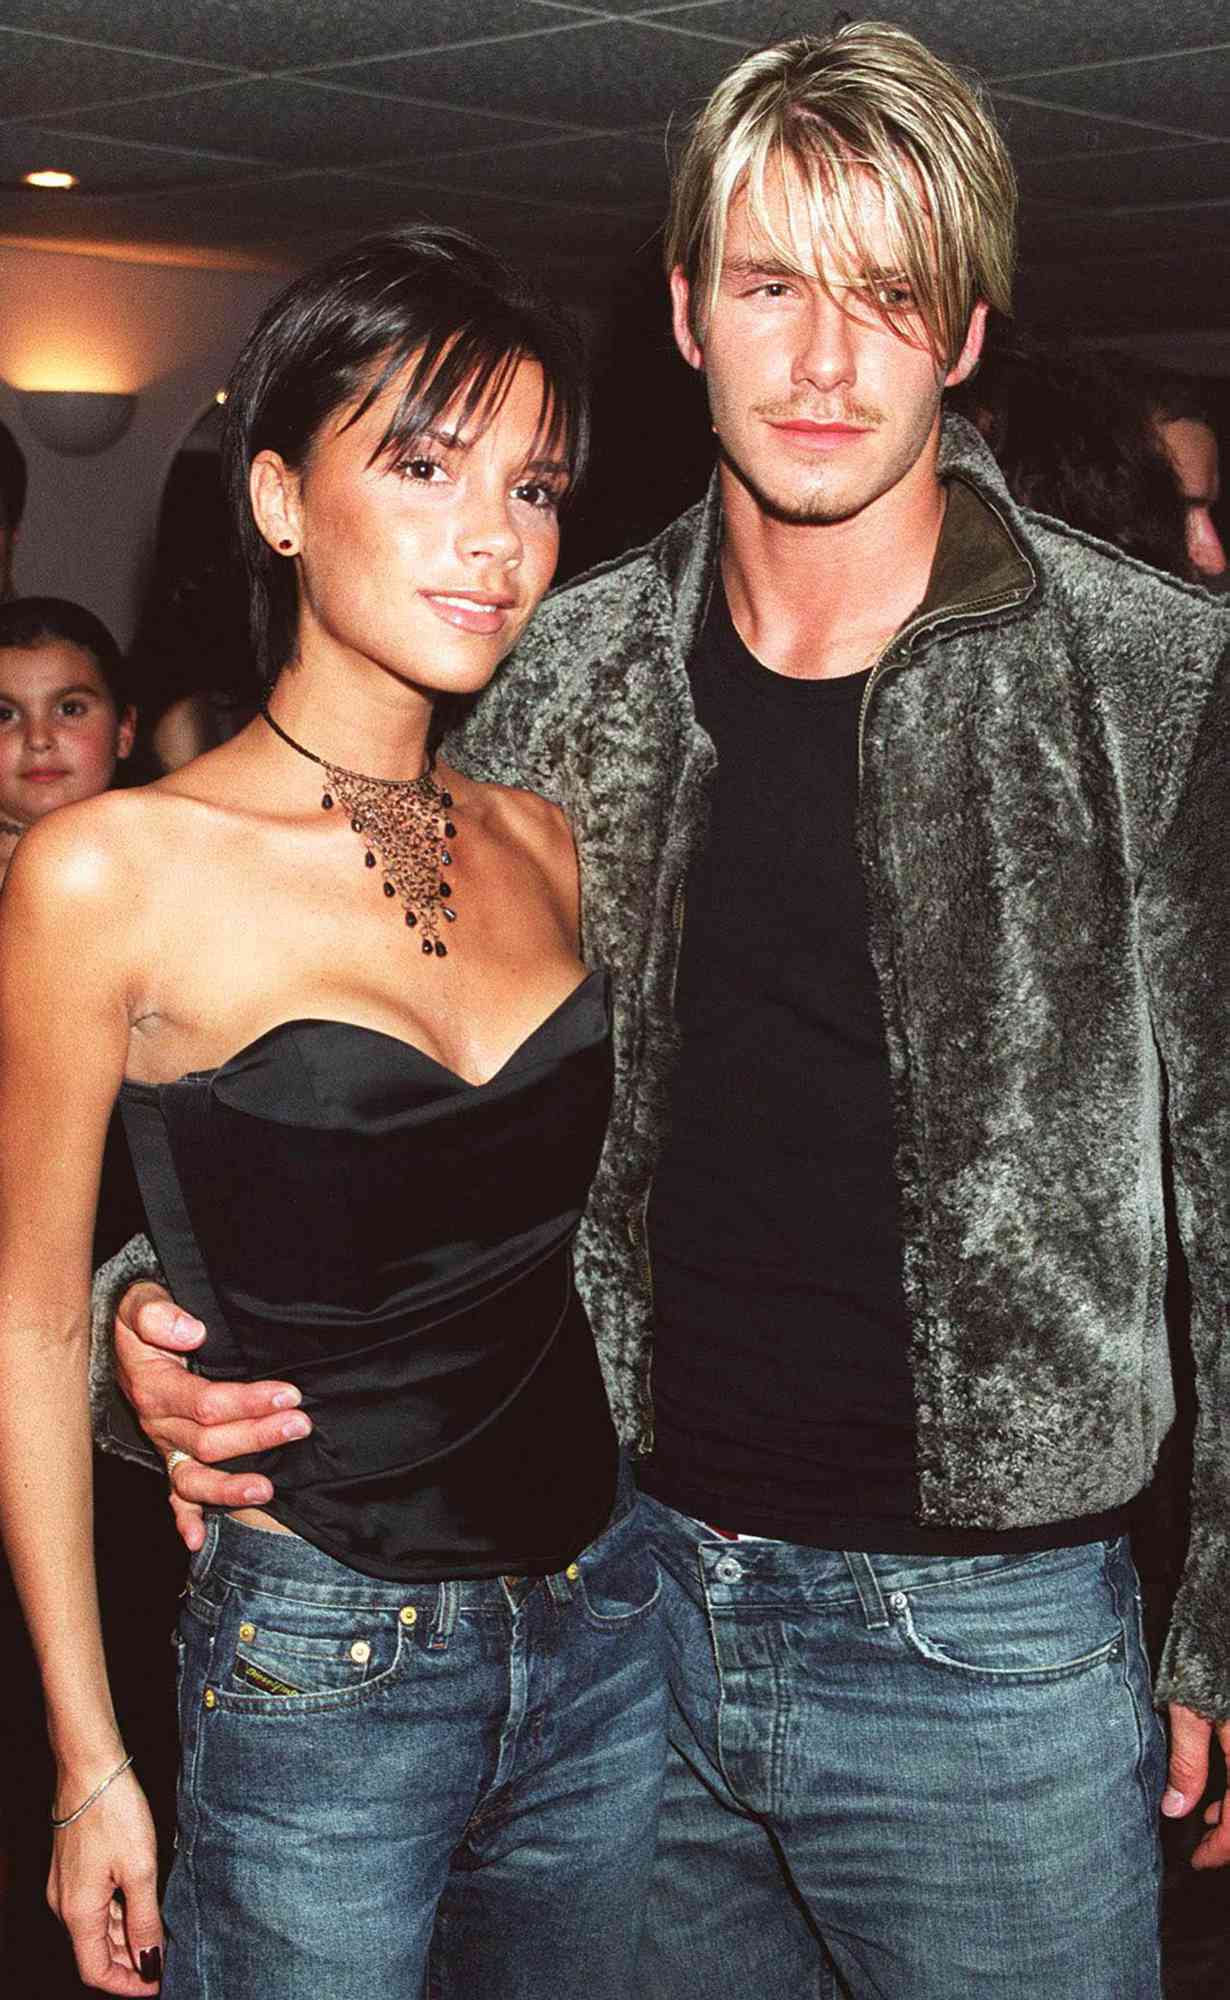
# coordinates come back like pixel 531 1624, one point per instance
pixel 913 1777
pixel 394 1790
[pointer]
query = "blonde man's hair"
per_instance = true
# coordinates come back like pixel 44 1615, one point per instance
pixel 871 98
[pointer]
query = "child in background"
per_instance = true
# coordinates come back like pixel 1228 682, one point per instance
pixel 64 725
pixel 64 720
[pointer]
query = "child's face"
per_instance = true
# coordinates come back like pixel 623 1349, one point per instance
pixel 60 734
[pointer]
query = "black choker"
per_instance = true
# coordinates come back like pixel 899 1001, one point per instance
pixel 11 826
pixel 406 830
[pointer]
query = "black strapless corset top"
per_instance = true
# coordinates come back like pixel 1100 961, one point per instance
pixel 345 1213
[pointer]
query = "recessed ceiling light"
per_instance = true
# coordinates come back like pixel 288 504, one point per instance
pixel 48 178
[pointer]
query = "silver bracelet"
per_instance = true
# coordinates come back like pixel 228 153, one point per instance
pixel 95 1794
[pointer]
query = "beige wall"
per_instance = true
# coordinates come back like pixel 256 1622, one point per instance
pixel 167 333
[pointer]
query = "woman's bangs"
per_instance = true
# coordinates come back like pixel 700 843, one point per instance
pixel 465 380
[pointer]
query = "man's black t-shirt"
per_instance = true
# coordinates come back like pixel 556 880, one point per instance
pixel 782 1385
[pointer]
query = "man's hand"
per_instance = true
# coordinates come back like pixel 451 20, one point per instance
pixel 1191 1736
pixel 179 1411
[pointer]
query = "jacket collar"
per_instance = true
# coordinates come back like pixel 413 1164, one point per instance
pixel 980 565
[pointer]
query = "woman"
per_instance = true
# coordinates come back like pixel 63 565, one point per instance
pixel 421 1703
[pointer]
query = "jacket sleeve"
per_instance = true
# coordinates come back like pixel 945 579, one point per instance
pixel 115 1426
pixel 1185 938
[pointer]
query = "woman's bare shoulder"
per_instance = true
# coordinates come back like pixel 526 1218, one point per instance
pixel 93 856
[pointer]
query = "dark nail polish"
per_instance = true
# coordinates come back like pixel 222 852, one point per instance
pixel 151 1963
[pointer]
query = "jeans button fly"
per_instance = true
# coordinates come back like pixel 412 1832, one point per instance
pixel 728 1570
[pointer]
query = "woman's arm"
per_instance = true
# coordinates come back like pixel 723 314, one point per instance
pixel 65 918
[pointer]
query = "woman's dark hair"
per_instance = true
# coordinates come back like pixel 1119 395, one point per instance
pixel 426 298
pixel 1075 438
pixel 26 622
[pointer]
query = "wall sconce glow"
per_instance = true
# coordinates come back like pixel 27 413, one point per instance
pixel 76 422
pixel 220 397
pixel 47 177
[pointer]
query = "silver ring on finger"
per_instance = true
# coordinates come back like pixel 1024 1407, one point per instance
pixel 175 1458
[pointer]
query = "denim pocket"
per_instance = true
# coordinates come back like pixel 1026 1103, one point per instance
pixel 619 1583
pixel 1042 1619
pixel 276 1653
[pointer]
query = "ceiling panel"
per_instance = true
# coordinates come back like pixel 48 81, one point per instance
pixel 599 73
pixel 272 127
pixel 615 171
pixel 613 6
pixel 1187 93
pixel 274 34
pixel 998 38
pixel 303 123
pixel 1037 131
pixel 1177 172
pixel 39 74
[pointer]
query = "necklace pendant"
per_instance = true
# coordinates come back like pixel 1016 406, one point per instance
pixel 405 825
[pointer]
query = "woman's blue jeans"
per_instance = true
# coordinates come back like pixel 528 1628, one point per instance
pixel 405 1791
pixel 908 1777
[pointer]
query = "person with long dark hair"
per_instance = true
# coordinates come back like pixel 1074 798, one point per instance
pixel 338 990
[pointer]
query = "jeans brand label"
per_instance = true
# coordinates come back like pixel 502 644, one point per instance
pixel 255 1676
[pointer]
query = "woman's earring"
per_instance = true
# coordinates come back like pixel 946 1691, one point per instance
pixel 286 545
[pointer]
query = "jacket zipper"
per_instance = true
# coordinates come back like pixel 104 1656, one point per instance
pixel 897 651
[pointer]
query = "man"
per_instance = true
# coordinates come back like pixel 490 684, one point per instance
pixel 12 506
pixel 899 816
pixel 1190 443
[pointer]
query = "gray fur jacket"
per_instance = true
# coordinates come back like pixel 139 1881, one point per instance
pixel 1047 849
pixel 1044 828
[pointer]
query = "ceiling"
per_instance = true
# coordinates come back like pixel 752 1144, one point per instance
pixel 264 131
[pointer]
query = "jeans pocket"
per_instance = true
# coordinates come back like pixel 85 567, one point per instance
pixel 619 1583
pixel 1042 1619
pixel 276 1653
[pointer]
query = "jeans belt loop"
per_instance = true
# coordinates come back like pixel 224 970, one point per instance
pixel 867 1584
pixel 448 1600
pixel 559 1587
pixel 200 1561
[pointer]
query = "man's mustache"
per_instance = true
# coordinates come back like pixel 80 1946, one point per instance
pixel 862 415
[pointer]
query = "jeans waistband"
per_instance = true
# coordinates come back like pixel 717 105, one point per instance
pixel 260 1555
